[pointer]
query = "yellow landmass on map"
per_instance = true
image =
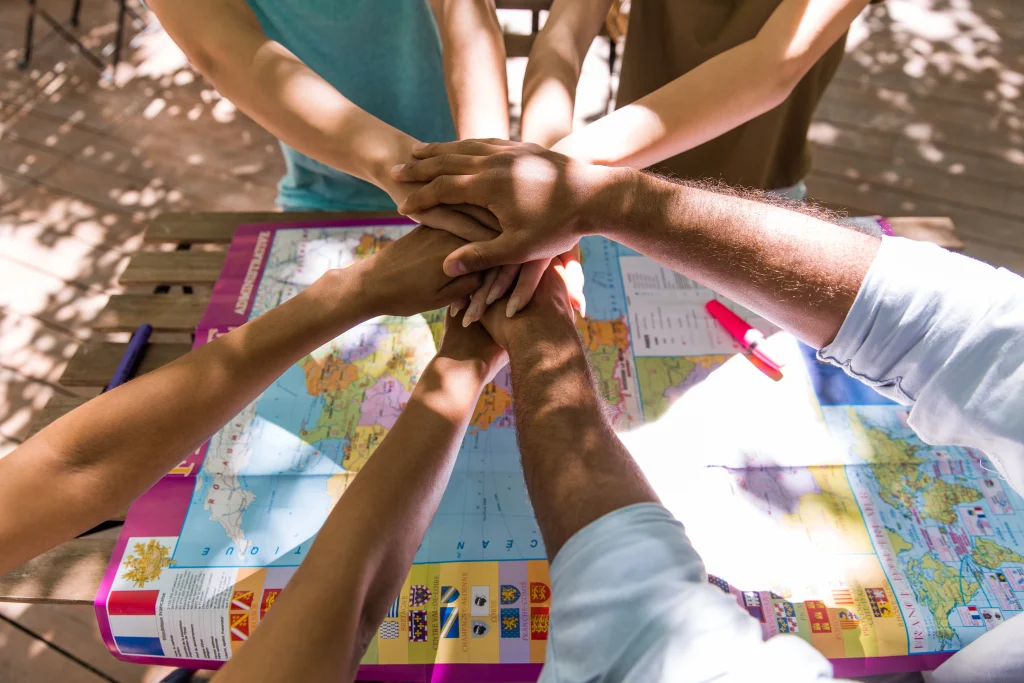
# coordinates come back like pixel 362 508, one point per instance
pixel 362 443
pixel 990 554
pixel 369 244
pixel 897 542
pixel 435 320
pixel 662 379
pixel 831 518
pixel 494 402
pixel 901 480
pixel 940 499
pixel 598 334
pixel 940 588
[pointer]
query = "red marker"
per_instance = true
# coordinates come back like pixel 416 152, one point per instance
pixel 750 338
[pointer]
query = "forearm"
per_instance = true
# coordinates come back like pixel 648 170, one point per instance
pixel 474 67
pixel 225 42
pixel 97 459
pixel 553 69
pixel 576 469
pixel 715 97
pixel 799 271
pixel 321 627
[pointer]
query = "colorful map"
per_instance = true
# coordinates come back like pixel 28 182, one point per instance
pixel 811 501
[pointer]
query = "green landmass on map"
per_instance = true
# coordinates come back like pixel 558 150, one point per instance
pixel 897 542
pixel 990 554
pixel 902 483
pixel 435 320
pixel 940 588
pixel 662 380
pixel 606 343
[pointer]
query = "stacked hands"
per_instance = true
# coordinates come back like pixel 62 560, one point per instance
pixel 520 209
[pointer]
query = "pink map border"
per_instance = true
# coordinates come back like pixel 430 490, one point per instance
pixel 161 510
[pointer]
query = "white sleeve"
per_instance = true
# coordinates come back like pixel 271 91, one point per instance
pixel 945 333
pixel 631 602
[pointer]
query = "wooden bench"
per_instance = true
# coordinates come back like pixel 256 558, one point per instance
pixel 71 573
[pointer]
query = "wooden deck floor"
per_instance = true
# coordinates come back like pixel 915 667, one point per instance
pixel 924 119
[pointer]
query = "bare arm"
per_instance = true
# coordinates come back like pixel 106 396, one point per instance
pixel 576 469
pixel 474 67
pixel 94 461
pixel 553 70
pixel 722 93
pixel 324 621
pixel 798 270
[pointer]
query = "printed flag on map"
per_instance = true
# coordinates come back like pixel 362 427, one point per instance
pixel 784 609
pixel 449 622
pixel 242 600
pixel 970 616
pixel 992 616
pixel 133 621
pixel 975 521
pixel 418 626
pixel 479 606
pixel 721 583
pixel 270 596
pixel 240 626
pixel 509 595
pixel 419 595
pixel 539 592
pixel 539 623
pixel 848 619
pixel 393 612
pixel 479 628
pixel 510 622
pixel 449 595
pixel 752 601
pixel 787 625
pixel 389 630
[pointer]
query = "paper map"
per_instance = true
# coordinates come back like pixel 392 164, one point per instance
pixel 810 500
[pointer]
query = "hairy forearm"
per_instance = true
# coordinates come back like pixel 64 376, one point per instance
pixel 576 469
pixel 715 97
pixel 323 623
pixel 799 271
pixel 474 67
pixel 100 457
pixel 553 69
pixel 226 44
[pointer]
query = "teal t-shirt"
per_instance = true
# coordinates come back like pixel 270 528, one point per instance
pixel 383 55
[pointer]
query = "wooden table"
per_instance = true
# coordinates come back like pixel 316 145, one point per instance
pixel 169 285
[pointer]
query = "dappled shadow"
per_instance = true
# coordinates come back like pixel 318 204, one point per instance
pixel 924 117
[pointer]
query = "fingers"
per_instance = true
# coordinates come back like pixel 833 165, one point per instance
pixel 446 189
pixel 506 276
pixel 460 288
pixel 529 278
pixel 478 303
pixel 455 222
pixel 472 258
pixel 424 150
pixel 443 164
pixel 457 305
pixel 572 274
pixel 480 215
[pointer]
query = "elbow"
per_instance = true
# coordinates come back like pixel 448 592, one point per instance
pixel 781 72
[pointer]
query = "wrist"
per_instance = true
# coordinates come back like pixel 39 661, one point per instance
pixel 616 203
pixel 468 367
pixel 395 148
pixel 534 326
pixel 342 296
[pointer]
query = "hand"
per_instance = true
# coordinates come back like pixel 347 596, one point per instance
pixel 405 277
pixel 544 201
pixel 551 305
pixel 472 343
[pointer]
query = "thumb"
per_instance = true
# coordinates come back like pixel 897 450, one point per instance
pixel 477 256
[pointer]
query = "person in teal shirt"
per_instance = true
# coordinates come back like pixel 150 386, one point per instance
pixel 348 86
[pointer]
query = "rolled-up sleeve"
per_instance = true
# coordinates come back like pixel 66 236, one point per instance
pixel 944 333
pixel 631 602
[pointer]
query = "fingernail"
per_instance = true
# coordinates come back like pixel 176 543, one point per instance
pixel 454 268
pixel 419 147
pixel 492 296
pixel 583 308
pixel 467 320
pixel 513 306
pixel 455 308
pixel 397 168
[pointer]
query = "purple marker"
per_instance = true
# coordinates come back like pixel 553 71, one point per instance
pixel 129 364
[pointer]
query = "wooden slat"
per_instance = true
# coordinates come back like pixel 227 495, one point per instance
pixel 219 228
pixel 95 362
pixel 165 312
pixel 533 5
pixel 68 574
pixel 173 268
pixel 56 407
